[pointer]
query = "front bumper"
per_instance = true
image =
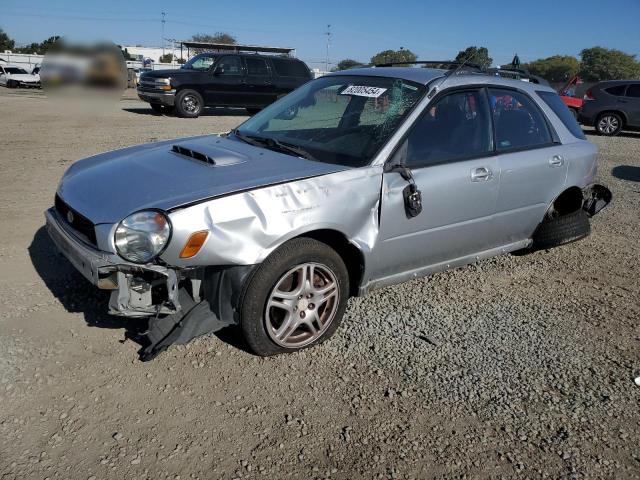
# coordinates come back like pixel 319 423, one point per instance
pixel 137 290
pixel 28 84
pixel 167 98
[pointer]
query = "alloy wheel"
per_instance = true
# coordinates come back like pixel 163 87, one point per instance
pixel 302 305
pixel 608 124
pixel 191 104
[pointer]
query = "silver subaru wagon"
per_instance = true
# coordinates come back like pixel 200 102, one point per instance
pixel 357 180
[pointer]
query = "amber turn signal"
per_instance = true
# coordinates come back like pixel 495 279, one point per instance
pixel 194 244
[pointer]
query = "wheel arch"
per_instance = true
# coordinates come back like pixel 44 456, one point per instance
pixel 622 115
pixel 350 253
pixel 568 201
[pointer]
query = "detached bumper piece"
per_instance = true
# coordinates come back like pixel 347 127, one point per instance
pixel 596 197
pixel 211 306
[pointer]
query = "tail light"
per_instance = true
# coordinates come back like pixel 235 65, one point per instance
pixel 589 95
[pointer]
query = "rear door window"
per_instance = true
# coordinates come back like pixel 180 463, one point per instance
pixel 634 90
pixel 618 90
pixel 519 123
pixel 556 104
pixel 257 67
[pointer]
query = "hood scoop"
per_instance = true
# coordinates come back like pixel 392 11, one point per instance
pixel 187 152
pixel 216 157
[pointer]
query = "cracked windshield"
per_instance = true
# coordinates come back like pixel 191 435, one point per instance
pixel 340 119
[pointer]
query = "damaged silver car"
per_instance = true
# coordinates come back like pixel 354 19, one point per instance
pixel 357 180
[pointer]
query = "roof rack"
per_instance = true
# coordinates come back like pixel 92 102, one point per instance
pixel 451 64
pixel 517 74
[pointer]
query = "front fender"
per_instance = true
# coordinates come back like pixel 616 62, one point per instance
pixel 246 227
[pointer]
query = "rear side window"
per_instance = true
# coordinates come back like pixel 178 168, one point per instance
pixel 257 66
pixel 634 90
pixel 556 104
pixel 519 123
pixel 290 68
pixel 618 90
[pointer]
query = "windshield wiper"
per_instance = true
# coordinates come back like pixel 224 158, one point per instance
pixel 274 144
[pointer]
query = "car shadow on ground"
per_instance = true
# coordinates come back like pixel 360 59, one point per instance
pixel 78 295
pixel 626 172
pixel 207 112
pixel 73 291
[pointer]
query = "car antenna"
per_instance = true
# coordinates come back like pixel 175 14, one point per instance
pixel 453 72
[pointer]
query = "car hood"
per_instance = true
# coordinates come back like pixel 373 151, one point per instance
pixel 23 77
pixel 108 187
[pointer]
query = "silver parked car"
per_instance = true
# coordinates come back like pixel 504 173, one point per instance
pixel 356 180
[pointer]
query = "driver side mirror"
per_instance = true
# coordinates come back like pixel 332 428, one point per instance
pixel 218 70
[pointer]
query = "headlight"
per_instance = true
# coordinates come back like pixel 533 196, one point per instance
pixel 142 236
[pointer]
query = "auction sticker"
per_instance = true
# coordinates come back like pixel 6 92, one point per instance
pixel 363 91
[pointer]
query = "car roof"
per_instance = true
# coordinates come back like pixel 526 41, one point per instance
pixel 251 55
pixel 609 83
pixel 426 75
pixel 418 75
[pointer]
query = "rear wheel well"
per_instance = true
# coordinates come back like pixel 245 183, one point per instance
pixel 567 202
pixel 617 112
pixel 350 254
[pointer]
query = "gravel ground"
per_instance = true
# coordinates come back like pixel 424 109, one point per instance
pixel 516 367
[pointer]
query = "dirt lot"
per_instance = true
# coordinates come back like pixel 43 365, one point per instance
pixel 517 367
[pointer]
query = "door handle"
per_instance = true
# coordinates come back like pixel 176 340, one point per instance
pixel 556 161
pixel 481 174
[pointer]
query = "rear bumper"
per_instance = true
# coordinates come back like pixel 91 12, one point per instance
pixel 163 98
pixel 137 290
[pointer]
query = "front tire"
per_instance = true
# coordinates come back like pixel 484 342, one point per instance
pixel 609 124
pixel 188 104
pixel 295 299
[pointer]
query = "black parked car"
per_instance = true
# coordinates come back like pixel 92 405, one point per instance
pixel 612 106
pixel 214 79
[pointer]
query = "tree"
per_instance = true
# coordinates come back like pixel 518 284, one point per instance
pixel 600 64
pixel 348 63
pixel 218 37
pixel 558 68
pixel 39 48
pixel 166 58
pixel 6 43
pixel 32 48
pixel 393 56
pixel 478 55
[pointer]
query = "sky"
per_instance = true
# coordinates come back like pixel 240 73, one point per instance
pixel 434 30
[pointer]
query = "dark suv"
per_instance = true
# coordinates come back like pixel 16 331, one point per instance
pixel 212 79
pixel 612 106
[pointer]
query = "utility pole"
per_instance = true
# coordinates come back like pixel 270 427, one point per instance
pixel 163 22
pixel 328 34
